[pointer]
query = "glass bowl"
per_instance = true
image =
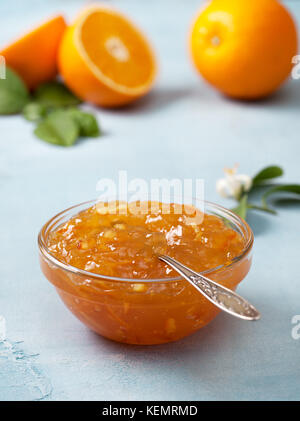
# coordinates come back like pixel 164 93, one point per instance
pixel 144 312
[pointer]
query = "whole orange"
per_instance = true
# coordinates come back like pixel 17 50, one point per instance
pixel 244 48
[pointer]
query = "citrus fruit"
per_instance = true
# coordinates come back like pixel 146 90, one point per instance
pixel 34 56
pixel 244 48
pixel 105 59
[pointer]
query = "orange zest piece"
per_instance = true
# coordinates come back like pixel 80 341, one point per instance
pixel 105 59
pixel 34 56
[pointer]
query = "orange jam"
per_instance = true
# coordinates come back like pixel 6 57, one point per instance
pixel 137 308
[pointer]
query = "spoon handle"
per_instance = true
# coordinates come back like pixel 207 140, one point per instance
pixel 222 297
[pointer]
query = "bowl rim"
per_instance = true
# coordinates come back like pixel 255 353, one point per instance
pixel 234 218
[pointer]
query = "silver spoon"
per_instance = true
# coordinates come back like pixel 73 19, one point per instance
pixel 220 296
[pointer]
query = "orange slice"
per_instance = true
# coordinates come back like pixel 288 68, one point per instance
pixel 105 59
pixel 34 56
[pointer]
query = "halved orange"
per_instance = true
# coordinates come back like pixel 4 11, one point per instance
pixel 34 56
pixel 105 59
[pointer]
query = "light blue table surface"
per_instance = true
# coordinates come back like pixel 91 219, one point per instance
pixel 182 129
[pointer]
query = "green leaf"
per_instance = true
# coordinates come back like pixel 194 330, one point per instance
pixel 288 188
pixel 88 125
pixel 34 111
pixel 242 207
pixel 14 94
pixel 58 128
pixel 55 94
pixel 267 174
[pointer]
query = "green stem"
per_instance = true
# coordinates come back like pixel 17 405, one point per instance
pixel 261 208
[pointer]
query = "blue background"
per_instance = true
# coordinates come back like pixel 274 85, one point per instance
pixel 182 129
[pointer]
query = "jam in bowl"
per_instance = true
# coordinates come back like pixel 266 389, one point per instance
pixel 102 260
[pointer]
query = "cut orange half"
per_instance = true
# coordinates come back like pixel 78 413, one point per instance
pixel 34 56
pixel 105 59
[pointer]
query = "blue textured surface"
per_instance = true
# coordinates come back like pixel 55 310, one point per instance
pixel 182 129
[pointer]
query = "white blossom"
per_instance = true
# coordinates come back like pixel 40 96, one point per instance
pixel 233 184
